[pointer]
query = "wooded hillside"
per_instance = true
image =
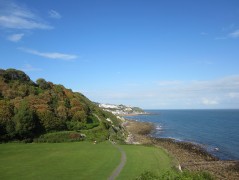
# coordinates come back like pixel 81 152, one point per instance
pixel 29 109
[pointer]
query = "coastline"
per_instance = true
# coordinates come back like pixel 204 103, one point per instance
pixel 135 114
pixel 188 156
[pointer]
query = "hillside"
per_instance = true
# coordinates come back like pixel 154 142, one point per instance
pixel 28 110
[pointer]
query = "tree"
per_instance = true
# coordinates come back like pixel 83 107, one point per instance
pixel 13 74
pixel 6 123
pixel 42 83
pixel 78 121
pixel 79 116
pixel 25 121
pixel 50 122
pixel 62 112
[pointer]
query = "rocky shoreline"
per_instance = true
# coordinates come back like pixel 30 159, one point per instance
pixel 188 156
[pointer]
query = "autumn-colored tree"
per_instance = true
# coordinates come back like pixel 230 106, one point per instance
pixel 62 112
pixel 28 108
pixel 50 122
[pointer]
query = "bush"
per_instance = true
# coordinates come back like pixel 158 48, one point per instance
pixel 96 134
pixel 57 137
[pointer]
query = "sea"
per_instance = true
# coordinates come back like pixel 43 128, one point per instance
pixel 215 130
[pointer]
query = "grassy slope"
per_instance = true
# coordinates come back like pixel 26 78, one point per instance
pixel 82 160
pixel 143 158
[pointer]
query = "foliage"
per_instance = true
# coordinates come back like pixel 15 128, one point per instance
pixel 50 122
pixel 6 123
pixel 25 121
pixel 13 74
pixel 96 134
pixel 42 83
pixel 63 136
pixel 29 109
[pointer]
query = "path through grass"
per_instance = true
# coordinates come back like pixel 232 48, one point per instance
pixel 81 160
pixel 144 158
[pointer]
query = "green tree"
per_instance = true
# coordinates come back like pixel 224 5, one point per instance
pixel 6 123
pixel 13 74
pixel 25 121
pixel 42 83
pixel 78 121
pixel 79 116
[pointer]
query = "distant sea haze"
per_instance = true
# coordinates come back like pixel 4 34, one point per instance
pixel 216 130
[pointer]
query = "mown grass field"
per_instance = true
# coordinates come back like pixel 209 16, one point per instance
pixel 144 158
pixel 82 160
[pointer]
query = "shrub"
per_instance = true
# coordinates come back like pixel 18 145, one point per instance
pixel 57 137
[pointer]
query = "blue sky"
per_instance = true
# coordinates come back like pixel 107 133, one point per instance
pixel 156 54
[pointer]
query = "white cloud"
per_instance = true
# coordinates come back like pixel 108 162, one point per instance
pixel 15 37
pixel 50 55
pixel 54 14
pixel 234 34
pixel 217 93
pixel 207 101
pixel 29 67
pixel 14 16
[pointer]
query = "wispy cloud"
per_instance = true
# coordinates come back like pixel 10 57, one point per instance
pixel 234 34
pixel 15 37
pixel 218 93
pixel 15 16
pixel 54 14
pixel 29 67
pixel 50 55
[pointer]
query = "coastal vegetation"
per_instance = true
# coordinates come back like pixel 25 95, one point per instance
pixel 29 110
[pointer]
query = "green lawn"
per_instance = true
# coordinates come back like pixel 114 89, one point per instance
pixel 143 158
pixel 82 160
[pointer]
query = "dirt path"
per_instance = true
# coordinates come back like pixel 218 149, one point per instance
pixel 119 168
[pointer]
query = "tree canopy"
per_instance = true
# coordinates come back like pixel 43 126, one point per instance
pixel 28 109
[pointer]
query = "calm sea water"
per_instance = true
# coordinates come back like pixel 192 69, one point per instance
pixel 216 130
